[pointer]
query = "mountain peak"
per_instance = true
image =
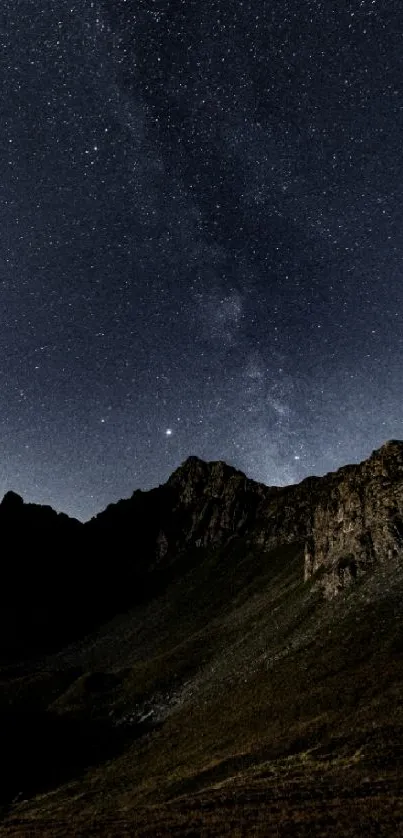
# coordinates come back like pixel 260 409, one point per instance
pixel 12 501
pixel 196 471
pixel 390 447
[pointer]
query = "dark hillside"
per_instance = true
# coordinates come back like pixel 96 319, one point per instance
pixel 234 688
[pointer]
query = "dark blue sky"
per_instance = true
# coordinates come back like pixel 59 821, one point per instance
pixel 201 240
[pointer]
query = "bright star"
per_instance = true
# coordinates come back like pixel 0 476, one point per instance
pixel 168 432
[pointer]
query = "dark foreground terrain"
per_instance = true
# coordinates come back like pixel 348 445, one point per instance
pixel 241 691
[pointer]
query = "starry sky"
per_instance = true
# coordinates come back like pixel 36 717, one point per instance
pixel 201 241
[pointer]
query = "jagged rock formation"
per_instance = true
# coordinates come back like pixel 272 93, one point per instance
pixel 220 501
pixel 348 522
pixel 357 522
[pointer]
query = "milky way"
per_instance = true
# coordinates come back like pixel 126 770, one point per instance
pixel 201 240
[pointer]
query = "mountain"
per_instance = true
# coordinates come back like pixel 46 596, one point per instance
pixel 211 657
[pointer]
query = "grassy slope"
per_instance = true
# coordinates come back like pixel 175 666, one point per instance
pixel 268 711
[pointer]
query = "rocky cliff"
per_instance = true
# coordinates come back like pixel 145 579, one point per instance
pixel 350 521
pixel 357 519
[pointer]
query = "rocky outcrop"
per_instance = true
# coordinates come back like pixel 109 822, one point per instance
pixel 348 522
pixel 357 521
pixel 217 501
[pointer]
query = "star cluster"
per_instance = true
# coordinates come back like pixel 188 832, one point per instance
pixel 201 240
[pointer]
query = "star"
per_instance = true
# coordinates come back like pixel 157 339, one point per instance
pixel 228 280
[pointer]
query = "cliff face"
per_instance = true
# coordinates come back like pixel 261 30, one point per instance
pixel 357 522
pixel 218 501
pixel 350 521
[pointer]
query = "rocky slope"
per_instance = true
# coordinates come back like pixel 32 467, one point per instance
pixel 357 523
pixel 350 521
pixel 217 686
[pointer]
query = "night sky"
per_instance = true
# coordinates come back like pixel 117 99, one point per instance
pixel 201 241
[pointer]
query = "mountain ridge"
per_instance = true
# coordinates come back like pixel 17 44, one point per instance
pixel 359 507
pixel 17 498
pixel 225 503
pixel 196 660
